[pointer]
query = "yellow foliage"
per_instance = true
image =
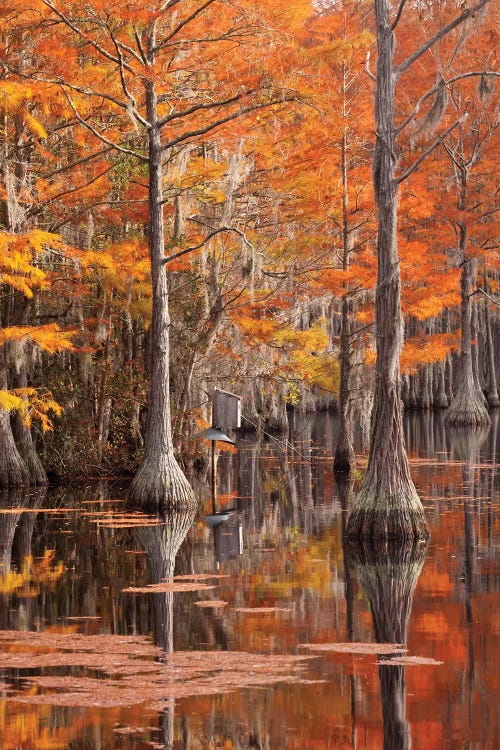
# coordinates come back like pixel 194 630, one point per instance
pixel 50 338
pixel 34 573
pixel 35 126
pixel 31 404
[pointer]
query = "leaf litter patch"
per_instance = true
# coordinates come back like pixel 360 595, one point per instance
pixel 130 670
pixel 408 661
pixel 165 587
pixel 261 610
pixel 356 648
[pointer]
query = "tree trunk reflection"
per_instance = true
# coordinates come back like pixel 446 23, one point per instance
pixel 388 574
pixel 162 543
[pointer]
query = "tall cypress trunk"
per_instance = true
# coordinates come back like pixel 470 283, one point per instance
pixel 20 431
pixel 493 399
pixel 159 480
pixel 13 471
pixel 468 406
pixel 344 453
pixel 387 503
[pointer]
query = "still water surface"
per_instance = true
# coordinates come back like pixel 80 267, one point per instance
pixel 276 633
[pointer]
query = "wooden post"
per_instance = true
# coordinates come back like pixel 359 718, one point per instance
pixel 214 480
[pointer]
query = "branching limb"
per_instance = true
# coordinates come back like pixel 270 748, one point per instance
pixel 199 107
pixel 83 160
pixel 488 296
pixel 398 14
pixel 206 239
pixel 429 151
pixel 217 123
pixel 180 26
pixel 439 35
pixel 75 214
pixel 36 210
pixel 88 40
pixel 99 135
pixel 434 89
pixel 132 108
pixel 368 71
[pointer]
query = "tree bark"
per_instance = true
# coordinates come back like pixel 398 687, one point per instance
pixel 387 503
pixel 344 453
pixel 24 441
pixel 468 406
pixel 13 471
pixel 159 480
pixel 493 399
pixel 440 397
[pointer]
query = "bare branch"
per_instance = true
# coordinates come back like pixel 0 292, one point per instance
pixel 77 163
pixel 398 14
pixel 79 89
pixel 75 214
pixel 213 125
pixel 206 239
pixel 132 108
pixel 140 47
pixel 488 296
pixel 429 151
pixel 198 107
pixel 68 22
pixel 181 25
pixel 367 67
pixel 99 135
pixel 434 89
pixel 439 35
pixel 37 209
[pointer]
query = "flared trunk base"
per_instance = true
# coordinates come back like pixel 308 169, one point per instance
pixel 468 409
pixel 160 484
pixel 13 471
pixel 391 517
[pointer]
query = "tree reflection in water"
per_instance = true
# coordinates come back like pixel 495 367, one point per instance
pixel 388 574
pixel 161 544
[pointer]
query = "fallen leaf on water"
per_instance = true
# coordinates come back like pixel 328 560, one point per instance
pixel 356 648
pixel 131 670
pixel 199 577
pixel 164 587
pixel 261 610
pixel 408 660
pixel 83 617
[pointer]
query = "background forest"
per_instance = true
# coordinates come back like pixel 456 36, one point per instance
pixel 248 127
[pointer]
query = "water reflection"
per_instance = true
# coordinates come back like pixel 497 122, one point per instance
pixel 162 543
pixel 294 560
pixel 388 575
pixel 17 524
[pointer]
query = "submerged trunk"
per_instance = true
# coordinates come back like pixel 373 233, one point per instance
pixel 387 503
pixel 159 480
pixel 468 406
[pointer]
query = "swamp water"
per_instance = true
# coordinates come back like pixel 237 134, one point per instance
pixel 267 631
